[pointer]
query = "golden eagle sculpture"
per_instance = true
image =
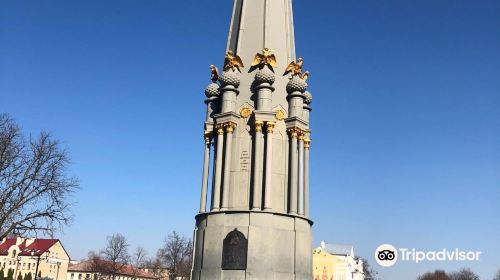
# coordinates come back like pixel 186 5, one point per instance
pixel 214 73
pixel 304 76
pixel 232 61
pixel 265 58
pixel 295 67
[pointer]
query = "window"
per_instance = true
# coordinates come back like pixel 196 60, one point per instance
pixel 79 276
pixel 29 266
pixel 72 276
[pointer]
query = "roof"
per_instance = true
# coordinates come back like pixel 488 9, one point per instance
pixel 85 266
pixel 27 246
pixel 98 265
pixel 338 249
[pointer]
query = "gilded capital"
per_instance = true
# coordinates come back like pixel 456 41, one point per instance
pixel 220 129
pixel 207 135
pixel 270 127
pixel 294 132
pixel 307 143
pixel 301 135
pixel 258 126
pixel 230 127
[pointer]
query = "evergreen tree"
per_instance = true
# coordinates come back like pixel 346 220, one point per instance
pixel 28 276
pixel 19 276
pixel 2 275
pixel 10 274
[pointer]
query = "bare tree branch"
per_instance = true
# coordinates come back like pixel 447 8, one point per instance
pixel 497 276
pixel 436 275
pixel 369 272
pixel 116 252
pixel 464 274
pixel 34 187
pixel 176 255
pixel 138 260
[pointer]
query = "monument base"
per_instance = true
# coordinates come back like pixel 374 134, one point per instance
pixel 279 246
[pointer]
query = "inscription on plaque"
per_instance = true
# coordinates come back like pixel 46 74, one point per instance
pixel 244 160
pixel 234 251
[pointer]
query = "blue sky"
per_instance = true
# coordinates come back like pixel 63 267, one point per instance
pixel 406 118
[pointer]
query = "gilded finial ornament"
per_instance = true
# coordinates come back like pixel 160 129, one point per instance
pixel 304 76
pixel 214 73
pixel 295 68
pixel 232 61
pixel 245 112
pixel 280 115
pixel 265 58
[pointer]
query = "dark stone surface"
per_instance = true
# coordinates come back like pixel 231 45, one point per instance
pixel 234 251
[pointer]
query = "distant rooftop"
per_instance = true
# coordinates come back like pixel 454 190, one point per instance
pixel 338 249
pixel 101 266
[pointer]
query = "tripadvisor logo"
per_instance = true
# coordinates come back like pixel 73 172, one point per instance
pixel 386 255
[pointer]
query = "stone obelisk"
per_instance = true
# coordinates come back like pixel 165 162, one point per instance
pixel 255 224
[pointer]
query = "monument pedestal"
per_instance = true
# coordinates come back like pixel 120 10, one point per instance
pixel 257 127
pixel 278 246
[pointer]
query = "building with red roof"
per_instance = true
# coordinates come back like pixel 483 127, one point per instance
pixel 42 257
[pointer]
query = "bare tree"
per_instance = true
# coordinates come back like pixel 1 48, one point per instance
pixel 156 267
pixel 497 276
pixel 116 253
pixel 464 274
pixel 368 271
pixel 436 275
pixel 138 259
pixel 176 255
pixel 34 187
pixel 99 265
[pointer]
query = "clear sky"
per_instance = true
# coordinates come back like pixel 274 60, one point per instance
pixel 406 116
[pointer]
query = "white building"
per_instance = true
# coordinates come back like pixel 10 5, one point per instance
pixel 105 270
pixel 336 262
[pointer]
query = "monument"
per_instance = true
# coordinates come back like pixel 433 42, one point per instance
pixel 255 222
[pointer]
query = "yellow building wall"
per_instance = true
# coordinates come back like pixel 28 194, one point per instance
pixel 328 267
pixel 56 266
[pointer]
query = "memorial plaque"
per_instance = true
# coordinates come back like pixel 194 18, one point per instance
pixel 234 251
pixel 244 160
